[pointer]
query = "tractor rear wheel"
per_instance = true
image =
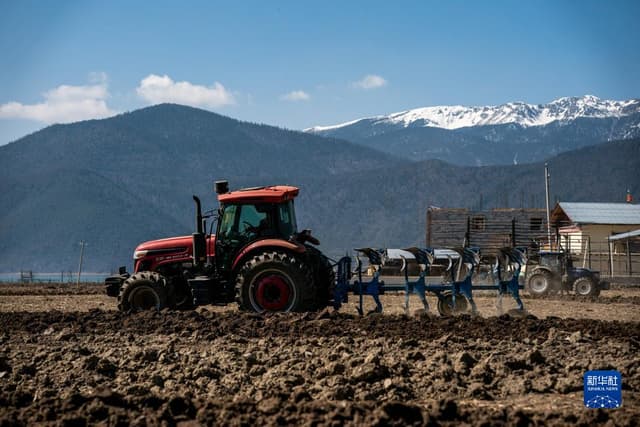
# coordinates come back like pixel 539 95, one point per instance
pixel 585 287
pixel 275 281
pixel 539 283
pixel 446 307
pixel 143 291
pixel 324 277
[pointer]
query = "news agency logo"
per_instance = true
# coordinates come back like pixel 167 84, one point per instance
pixel 602 389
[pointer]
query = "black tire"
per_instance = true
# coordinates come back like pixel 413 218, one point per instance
pixel 275 281
pixel 324 277
pixel 446 301
pixel 585 287
pixel 143 291
pixel 179 295
pixel 539 283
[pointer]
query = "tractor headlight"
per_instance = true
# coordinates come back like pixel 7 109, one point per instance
pixel 139 254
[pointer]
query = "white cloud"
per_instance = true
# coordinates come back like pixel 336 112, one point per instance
pixel 158 89
pixel 296 95
pixel 65 104
pixel 370 81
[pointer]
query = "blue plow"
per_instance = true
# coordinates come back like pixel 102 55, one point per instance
pixel 454 295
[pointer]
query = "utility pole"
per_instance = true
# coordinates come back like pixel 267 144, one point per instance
pixel 547 177
pixel 82 245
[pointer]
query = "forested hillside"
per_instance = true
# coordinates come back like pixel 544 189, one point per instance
pixel 119 181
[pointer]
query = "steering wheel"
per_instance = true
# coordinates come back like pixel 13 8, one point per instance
pixel 250 228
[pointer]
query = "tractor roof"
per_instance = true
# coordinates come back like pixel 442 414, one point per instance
pixel 274 194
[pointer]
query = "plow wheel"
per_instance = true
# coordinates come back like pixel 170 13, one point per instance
pixel 143 291
pixel 445 304
pixel 275 281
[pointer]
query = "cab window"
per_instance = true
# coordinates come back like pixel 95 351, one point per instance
pixel 246 222
pixel 287 219
pixel 253 218
pixel 228 221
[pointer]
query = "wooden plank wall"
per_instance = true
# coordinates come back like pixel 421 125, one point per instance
pixel 489 230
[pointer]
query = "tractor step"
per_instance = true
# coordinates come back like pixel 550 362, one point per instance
pixel 201 289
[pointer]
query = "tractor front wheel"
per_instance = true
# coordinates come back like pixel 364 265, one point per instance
pixel 275 281
pixel 179 294
pixel 143 291
pixel 585 287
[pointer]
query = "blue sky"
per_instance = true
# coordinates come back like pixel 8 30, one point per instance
pixel 298 64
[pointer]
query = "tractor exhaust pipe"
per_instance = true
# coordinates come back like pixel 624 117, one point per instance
pixel 198 215
pixel 199 240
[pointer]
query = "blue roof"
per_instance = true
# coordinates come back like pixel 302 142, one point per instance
pixel 602 213
pixel 623 236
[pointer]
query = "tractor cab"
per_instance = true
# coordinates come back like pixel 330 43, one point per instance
pixel 251 215
pixel 554 260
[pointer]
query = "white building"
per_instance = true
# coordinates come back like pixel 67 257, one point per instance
pixel 585 226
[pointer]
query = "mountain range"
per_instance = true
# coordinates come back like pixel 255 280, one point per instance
pixel 506 134
pixel 119 181
pixel 122 180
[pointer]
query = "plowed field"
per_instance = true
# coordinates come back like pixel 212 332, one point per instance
pixel 69 358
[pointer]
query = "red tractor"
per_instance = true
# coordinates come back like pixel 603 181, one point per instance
pixel 257 258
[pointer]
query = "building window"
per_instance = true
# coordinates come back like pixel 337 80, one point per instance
pixel 477 223
pixel 535 224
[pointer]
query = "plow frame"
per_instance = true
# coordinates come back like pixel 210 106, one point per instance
pixel 510 260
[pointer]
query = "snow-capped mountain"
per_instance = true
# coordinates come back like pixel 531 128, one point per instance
pixel 503 134
pixel 526 115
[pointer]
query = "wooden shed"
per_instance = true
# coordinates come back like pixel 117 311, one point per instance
pixel 487 229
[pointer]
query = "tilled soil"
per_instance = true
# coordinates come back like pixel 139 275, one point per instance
pixel 621 304
pixel 227 367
